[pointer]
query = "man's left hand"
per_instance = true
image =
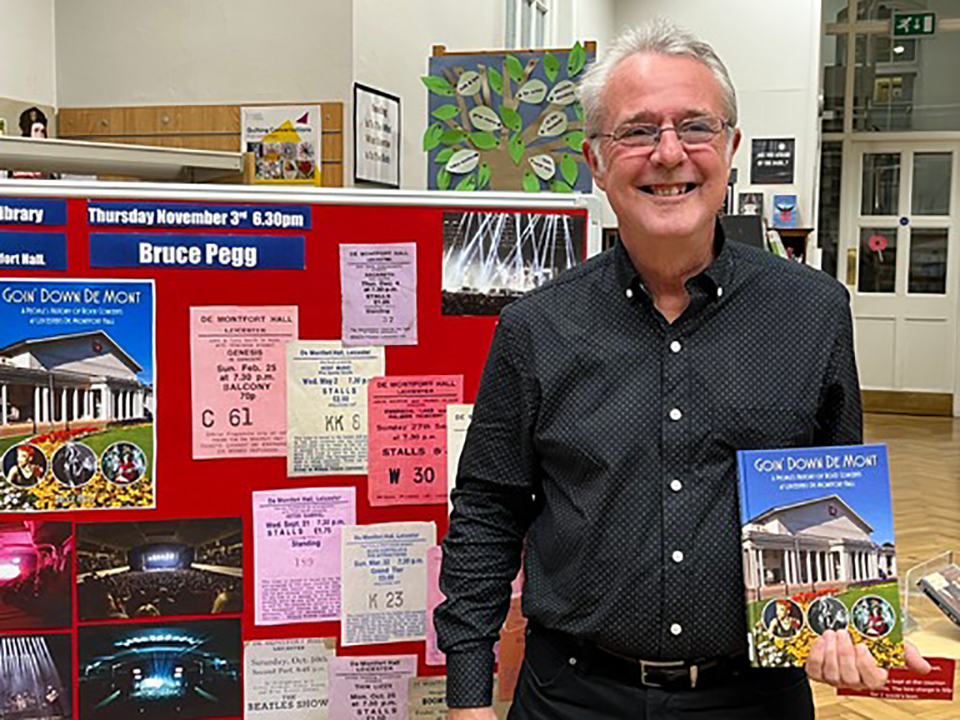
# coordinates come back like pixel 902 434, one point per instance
pixel 835 660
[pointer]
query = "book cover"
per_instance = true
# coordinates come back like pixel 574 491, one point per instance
pixel 818 552
pixel 784 211
pixel 943 587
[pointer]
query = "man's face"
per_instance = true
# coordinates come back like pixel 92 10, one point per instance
pixel 665 90
pixel 782 611
pixel 24 457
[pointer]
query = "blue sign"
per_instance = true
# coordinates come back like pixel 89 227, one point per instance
pixel 222 252
pixel 32 211
pixel 198 216
pixel 33 251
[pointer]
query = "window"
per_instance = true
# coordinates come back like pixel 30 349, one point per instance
pixel 528 24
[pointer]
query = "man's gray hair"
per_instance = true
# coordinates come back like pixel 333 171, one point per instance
pixel 660 37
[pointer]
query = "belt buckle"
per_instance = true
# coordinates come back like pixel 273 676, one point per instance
pixel 646 664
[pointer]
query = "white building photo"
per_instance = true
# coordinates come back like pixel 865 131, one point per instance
pixel 811 543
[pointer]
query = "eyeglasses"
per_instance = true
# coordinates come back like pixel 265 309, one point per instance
pixel 692 131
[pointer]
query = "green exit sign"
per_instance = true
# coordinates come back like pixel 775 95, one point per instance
pixel 914 24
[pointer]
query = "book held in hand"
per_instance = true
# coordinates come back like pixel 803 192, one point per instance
pixel 818 552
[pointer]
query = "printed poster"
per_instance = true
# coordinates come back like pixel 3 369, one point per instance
pixel 378 283
pixel 376 133
pixel 384 570
pixel 287 679
pixel 297 553
pixel 327 406
pixel 370 688
pixel 435 596
pixel 408 438
pixel 78 393
pixel 458 422
pixel 285 142
pixel 238 373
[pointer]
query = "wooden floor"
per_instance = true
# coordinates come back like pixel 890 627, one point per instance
pixel 925 477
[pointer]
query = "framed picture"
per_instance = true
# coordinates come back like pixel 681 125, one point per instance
pixel 376 136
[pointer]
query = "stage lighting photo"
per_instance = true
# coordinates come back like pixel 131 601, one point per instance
pixel 35 564
pixel 181 670
pixel 35 677
pixel 492 258
pixel 166 567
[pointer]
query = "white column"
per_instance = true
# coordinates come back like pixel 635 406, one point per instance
pixel 45 395
pixel 809 568
pixel 3 404
pixel 129 396
pixel 37 404
pixel 760 566
pixel 76 403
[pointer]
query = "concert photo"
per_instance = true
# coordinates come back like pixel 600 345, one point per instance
pixel 154 671
pixel 35 677
pixel 161 568
pixel 36 558
pixel 492 258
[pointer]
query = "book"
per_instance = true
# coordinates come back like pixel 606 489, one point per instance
pixel 818 552
pixel 943 587
pixel 784 211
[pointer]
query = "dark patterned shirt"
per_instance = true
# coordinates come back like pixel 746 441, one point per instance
pixel 603 446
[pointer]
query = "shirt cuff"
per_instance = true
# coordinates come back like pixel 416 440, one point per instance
pixel 470 677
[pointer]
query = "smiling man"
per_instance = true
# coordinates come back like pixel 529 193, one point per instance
pixel 604 436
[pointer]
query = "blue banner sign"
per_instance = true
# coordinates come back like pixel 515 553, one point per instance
pixel 222 252
pixel 32 211
pixel 198 216
pixel 33 251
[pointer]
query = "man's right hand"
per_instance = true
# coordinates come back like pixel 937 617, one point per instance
pixel 486 713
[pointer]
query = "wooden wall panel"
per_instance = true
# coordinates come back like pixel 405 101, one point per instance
pixel 198 127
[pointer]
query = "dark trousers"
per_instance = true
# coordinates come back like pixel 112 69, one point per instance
pixel 551 688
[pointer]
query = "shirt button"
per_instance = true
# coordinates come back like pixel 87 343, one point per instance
pixel 675 414
pixel 676 485
pixel 719 292
pixel 675 346
pixel 677 556
pixel 675 629
pixel 629 293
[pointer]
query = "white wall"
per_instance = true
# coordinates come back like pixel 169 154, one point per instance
pixel 27 55
pixel 771 48
pixel 148 52
pixel 393 42
pixel 593 20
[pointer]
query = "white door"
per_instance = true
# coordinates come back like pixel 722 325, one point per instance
pixel 901 264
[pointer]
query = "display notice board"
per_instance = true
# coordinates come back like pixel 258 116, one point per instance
pixel 223 437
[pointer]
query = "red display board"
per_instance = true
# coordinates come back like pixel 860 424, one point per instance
pixel 306 275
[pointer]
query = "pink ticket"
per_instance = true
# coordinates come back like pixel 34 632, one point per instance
pixel 407 445
pixel 366 688
pixel 434 597
pixel 238 368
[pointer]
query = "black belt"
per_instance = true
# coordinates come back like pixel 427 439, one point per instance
pixel 591 658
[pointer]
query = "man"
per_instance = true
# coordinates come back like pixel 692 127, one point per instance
pixel 29 468
pixel 604 435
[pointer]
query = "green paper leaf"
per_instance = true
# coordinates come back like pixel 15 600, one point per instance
pixel 483 140
pixel 511 118
pixel 514 69
pixel 437 85
pixel 576 60
pixel 569 168
pixel 445 155
pixel 468 184
pixel 431 137
pixel 516 148
pixel 559 186
pixel 551 66
pixel 454 135
pixel 496 80
pixel 443 179
pixel 483 176
pixel 578 110
pixel 446 112
pixel 574 140
pixel 530 182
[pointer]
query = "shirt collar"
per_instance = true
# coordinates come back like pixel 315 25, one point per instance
pixel 714 278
